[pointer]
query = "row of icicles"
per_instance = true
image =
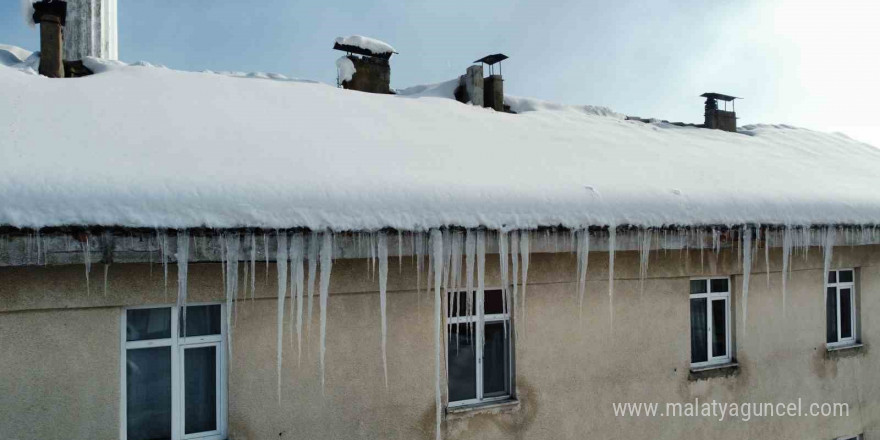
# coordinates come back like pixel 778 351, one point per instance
pixel 457 260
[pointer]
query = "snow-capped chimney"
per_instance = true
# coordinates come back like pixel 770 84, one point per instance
pixel 493 85
pixel 51 16
pixel 720 119
pixel 371 71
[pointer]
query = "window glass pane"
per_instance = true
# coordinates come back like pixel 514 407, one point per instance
pixel 719 328
pixel 719 285
pixel 496 367
pixel 846 276
pixel 832 276
pixel 699 328
pixel 462 362
pixel 201 320
pixel 493 302
pixel 845 313
pixel 458 304
pixel 148 393
pixel 200 389
pixel 831 314
pixel 699 286
pixel 142 324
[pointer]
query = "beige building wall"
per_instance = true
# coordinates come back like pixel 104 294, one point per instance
pixel 59 362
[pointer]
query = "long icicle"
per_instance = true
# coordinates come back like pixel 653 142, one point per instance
pixel 182 272
pixel 828 250
pixel 767 255
pixel 313 269
pixel 470 245
pixel 297 249
pixel 253 241
pixel 645 256
pixel 514 259
pixel 524 254
pixel 382 244
pixel 786 261
pixel 583 253
pixel 326 267
pixel 87 260
pixel 281 269
pixel 747 271
pixel 437 252
pixel 503 257
pixel 232 245
pixel 612 245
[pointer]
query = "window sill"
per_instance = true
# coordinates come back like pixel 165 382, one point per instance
pixel 842 351
pixel 497 407
pixel 712 371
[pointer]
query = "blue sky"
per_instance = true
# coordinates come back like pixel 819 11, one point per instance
pixel 808 63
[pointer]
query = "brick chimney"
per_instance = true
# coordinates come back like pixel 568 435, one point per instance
pixel 470 86
pixel 493 85
pixel 719 119
pixel 51 16
pixel 370 69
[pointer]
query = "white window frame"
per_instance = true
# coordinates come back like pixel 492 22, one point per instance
pixel 178 346
pixel 710 296
pixel 480 320
pixel 850 437
pixel 838 286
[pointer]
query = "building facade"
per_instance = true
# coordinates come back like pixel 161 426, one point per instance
pixel 75 358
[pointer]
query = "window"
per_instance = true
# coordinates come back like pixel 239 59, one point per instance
pixel 173 381
pixel 840 307
pixel 710 322
pixel 858 437
pixel 478 351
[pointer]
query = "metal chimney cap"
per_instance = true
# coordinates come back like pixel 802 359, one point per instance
pixel 712 95
pixel 492 59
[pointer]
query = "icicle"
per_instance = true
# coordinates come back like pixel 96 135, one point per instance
pixel 747 271
pixel 297 250
pixel 470 247
pixel 326 267
pixel 583 257
pixel 645 255
pixel 612 244
pixel 313 269
pixel 87 259
pixel 786 260
pixel 165 261
pixel 514 258
pixel 106 277
pixel 828 246
pixel 232 245
pixel 182 272
pixel 524 255
pixel 281 269
pixel 253 265
pixel 502 256
pixel 266 253
pixel 481 266
pixel 437 252
pixel 399 251
pixel 382 244
pixel 767 254
pixel 419 243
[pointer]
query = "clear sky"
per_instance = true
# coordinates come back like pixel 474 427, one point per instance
pixel 809 63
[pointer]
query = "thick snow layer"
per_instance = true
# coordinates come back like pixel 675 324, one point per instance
pixel 367 43
pixel 143 146
pixel 345 69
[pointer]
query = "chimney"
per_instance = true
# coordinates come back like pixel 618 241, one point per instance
pixel 365 66
pixel 92 30
pixel 720 119
pixel 493 85
pixel 470 86
pixel 51 16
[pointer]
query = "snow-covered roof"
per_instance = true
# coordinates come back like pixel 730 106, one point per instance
pixel 371 44
pixel 142 146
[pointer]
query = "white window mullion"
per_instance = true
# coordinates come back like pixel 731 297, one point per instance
pixel 709 322
pixel 176 399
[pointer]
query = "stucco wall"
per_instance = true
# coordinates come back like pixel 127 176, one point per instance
pixel 60 357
